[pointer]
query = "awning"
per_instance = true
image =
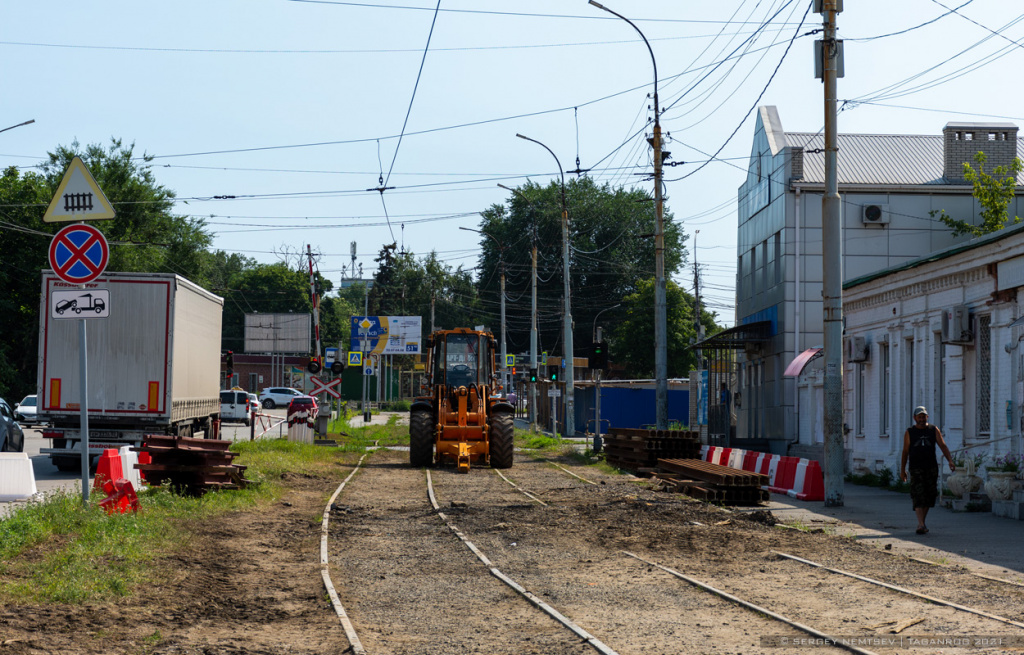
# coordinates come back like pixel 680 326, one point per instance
pixel 796 367
pixel 737 337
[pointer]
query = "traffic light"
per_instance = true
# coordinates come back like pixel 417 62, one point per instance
pixel 337 366
pixel 533 374
pixel 229 361
pixel 314 365
pixel 599 355
pixel 554 374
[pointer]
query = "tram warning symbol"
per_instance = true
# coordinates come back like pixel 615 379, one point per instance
pixel 78 197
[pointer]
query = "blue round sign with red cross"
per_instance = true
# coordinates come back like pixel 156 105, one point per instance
pixel 79 253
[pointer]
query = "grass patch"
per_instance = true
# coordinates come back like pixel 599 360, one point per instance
pixel 58 550
pixel 884 479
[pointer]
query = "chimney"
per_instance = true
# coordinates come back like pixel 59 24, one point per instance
pixel 964 140
pixel 797 162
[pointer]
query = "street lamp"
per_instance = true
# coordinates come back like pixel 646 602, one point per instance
pixel 570 402
pixel 660 312
pixel 594 330
pixel 28 122
pixel 501 259
pixel 533 311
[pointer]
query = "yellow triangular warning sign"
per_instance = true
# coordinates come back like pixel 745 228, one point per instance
pixel 78 197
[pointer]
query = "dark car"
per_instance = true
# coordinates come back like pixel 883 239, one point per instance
pixel 65 305
pixel 12 439
pixel 304 404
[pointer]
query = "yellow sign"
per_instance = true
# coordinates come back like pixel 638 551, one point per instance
pixel 365 324
pixel 355 359
pixel 78 197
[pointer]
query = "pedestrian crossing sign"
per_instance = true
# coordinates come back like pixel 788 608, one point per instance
pixel 355 359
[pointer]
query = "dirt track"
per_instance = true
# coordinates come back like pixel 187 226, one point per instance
pixel 251 582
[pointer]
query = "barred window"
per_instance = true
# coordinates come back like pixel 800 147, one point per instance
pixel 984 374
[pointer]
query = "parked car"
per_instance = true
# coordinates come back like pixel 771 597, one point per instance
pixel 254 404
pixel 272 397
pixel 12 439
pixel 304 404
pixel 25 411
pixel 234 407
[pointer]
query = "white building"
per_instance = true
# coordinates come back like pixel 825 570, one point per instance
pixel 943 331
pixel 890 185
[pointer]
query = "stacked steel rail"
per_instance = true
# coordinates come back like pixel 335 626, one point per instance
pixel 192 466
pixel 713 482
pixel 639 450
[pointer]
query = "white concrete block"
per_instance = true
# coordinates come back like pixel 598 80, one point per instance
pixel 128 461
pixel 17 479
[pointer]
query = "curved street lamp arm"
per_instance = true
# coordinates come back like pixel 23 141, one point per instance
pixel 646 42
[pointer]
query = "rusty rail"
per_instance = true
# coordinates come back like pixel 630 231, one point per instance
pixel 712 482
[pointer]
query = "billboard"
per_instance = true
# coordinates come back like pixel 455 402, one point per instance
pixel 387 335
pixel 278 333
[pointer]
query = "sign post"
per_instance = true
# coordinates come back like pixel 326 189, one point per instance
pixel 79 254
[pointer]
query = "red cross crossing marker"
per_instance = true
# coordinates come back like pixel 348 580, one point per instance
pixel 331 387
pixel 79 253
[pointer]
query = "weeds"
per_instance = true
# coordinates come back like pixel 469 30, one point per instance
pixel 884 479
pixel 57 550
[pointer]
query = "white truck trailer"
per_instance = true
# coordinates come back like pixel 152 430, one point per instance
pixel 153 364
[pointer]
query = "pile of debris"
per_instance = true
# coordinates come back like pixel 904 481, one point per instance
pixel 190 466
pixel 638 451
pixel 713 482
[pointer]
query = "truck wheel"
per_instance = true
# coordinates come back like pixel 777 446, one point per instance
pixel 421 438
pixel 502 431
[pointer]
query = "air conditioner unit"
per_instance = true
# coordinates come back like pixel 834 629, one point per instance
pixel 857 349
pixel 875 214
pixel 956 325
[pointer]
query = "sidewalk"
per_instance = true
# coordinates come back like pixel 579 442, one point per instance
pixel 977 540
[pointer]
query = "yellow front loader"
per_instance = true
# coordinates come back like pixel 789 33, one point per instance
pixel 463 420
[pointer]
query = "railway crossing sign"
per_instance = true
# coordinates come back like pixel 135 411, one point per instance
pixel 319 387
pixel 79 253
pixel 78 197
pixel 355 358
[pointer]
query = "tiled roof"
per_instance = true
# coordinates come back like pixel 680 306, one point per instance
pixel 879 158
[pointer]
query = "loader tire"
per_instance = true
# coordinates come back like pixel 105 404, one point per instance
pixel 502 432
pixel 421 439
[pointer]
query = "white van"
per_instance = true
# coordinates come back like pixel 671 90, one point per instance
pixel 234 406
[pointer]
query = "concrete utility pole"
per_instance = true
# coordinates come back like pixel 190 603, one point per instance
pixel 660 307
pixel 832 282
pixel 570 382
pixel 533 304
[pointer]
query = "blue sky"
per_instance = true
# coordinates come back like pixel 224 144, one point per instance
pixel 299 104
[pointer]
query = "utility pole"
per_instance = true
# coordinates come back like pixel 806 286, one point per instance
pixel 533 333
pixel 660 307
pixel 504 353
pixel 832 270
pixel 570 381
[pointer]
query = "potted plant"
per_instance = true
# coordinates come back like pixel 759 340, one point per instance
pixel 965 480
pixel 1002 474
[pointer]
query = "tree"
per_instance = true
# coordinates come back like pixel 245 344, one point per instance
pixel 632 342
pixel 993 192
pixel 612 249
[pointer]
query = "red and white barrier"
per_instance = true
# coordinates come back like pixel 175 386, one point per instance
pixel 796 477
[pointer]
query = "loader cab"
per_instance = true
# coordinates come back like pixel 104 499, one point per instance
pixel 462 359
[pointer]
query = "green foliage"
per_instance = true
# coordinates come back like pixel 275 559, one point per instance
pixel 405 284
pixel 993 192
pixel 884 479
pixel 612 251
pixel 637 354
